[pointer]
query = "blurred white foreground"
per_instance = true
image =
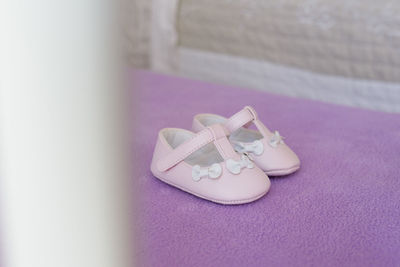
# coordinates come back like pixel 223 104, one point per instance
pixel 64 178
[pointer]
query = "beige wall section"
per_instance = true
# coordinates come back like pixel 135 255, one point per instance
pixel 137 21
pixel 350 38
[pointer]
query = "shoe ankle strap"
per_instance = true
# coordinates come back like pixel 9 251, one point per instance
pixel 241 118
pixel 210 134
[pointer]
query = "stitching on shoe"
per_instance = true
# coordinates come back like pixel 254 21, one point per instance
pixel 239 201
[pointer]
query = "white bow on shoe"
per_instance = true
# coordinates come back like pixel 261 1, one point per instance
pixel 213 172
pixel 276 139
pixel 256 147
pixel 235 167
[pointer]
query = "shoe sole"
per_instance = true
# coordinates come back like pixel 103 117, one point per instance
pixel 224 202
pixel 282 172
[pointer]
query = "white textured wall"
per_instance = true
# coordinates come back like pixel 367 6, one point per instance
pixel 348 38
pixel 343 51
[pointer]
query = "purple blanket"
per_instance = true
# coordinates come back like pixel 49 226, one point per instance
pixel 342 208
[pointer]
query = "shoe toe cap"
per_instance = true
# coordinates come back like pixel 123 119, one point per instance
pixel 247 186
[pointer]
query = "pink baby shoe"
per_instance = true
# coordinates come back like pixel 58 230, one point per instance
pixel 267 149
pixel 205 165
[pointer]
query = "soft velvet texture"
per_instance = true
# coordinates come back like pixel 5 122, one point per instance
pixel 342 208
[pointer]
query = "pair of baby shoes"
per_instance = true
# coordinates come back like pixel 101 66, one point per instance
pixel 223 160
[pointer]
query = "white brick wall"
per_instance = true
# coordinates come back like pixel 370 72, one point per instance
pixel 340 51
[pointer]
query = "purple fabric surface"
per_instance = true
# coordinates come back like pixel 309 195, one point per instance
pixel 342 208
